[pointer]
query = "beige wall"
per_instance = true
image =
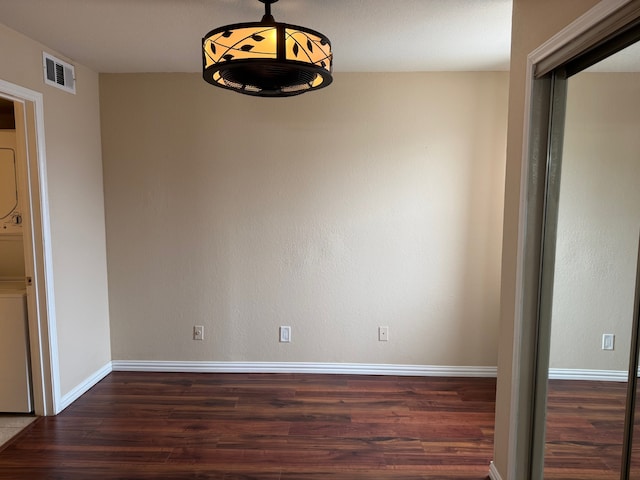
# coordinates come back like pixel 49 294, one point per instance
pixel 598 223
pixel 534 21
pixel 377 201
pixel 74 169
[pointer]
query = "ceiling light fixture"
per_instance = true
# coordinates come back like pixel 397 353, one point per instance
pixel 267 58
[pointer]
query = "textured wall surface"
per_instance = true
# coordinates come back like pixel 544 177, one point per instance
pixel 377 201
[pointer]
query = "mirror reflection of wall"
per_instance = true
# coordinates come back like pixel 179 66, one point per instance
pixel 598 223
pixel 595 270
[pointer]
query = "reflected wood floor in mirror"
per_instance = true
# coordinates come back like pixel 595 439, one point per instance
pixel 263 427
pixel 585 428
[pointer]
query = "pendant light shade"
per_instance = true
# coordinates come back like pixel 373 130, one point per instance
pixel 267 58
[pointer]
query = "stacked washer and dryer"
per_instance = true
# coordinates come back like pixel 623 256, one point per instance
pixel 15 378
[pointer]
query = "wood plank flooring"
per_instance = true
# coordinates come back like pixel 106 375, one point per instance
pixel 263 427
pixel 584 430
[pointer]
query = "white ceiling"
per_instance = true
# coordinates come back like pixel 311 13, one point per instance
pixel 366 35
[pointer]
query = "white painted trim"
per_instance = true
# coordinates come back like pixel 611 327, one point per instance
pixel 584 374
pixel 48 374
pixel 47 254
pixel 493 472
pixel 303 367
pixel 84 387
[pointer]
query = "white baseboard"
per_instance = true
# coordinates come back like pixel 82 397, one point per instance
pixel 493 472
pixel 583 374
pixel 83 387
pixel 303 367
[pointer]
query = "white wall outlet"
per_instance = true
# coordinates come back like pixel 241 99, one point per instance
pixel 608 340
pixel 198 332
pixel 285 334
pixel 383 334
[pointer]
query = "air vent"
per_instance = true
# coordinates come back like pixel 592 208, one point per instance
pixel 58 73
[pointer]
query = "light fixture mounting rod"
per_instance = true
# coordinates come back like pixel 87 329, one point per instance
pixel 267 10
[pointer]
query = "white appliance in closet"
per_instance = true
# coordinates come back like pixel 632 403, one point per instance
pixel 10 173
pixel 15 384
pixel 15 378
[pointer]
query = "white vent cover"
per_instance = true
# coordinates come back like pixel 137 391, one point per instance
pixel 58 73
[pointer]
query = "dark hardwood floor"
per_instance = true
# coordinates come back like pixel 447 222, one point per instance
pixel 585 429
pixel 263 427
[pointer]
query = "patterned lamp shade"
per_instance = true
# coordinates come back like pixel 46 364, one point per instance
pixel 267 58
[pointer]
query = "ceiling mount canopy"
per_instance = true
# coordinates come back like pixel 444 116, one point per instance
pixel 267 58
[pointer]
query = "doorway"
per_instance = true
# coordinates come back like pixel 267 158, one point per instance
pixel 38 264
pixel 15 371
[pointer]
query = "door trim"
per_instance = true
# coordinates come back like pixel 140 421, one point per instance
pixel 45 373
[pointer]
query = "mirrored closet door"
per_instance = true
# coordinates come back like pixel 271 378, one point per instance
pixel 588 332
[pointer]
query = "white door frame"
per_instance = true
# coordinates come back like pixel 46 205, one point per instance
pixel 45 375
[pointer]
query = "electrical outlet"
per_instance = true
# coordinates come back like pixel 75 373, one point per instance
pixel 383 334
pixel 608 340
pixel 285 334
pixel 198 332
